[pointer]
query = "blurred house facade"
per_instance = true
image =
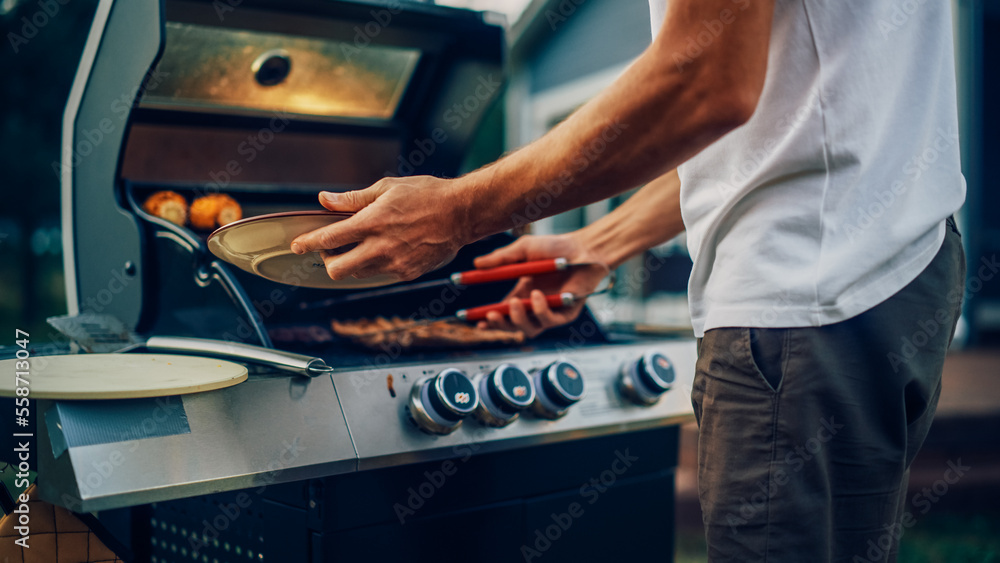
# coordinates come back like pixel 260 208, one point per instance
pixel 563 52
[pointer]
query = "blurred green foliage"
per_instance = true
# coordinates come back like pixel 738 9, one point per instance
pixel 951 536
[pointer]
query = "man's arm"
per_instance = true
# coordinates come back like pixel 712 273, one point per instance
pixel 665 108
pixel 649 217
pixel 659 113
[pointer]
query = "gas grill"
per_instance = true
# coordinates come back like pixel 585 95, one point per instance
pixel 400 453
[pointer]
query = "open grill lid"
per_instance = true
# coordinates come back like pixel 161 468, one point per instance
pixel 279 97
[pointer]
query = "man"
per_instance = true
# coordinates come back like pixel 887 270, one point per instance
pixel 818 162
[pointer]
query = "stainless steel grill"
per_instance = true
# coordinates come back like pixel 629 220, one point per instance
pixel 270 102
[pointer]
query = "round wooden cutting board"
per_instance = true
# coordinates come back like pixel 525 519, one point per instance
pixel 117 376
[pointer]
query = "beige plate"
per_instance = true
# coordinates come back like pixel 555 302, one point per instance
pixel 118 376
pixel 262 245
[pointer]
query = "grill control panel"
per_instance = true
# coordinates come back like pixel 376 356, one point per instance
pixel 276 427
pixel 410 413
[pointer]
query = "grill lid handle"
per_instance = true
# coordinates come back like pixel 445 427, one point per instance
pixel 305 365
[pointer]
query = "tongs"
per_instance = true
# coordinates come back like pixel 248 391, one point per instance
pixel 555 301
pixel 475 314
pixel 461 279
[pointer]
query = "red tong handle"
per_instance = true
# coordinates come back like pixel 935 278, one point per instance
pixel 479 313
pixel 509 272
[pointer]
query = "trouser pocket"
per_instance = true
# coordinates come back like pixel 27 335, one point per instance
pixel 768 352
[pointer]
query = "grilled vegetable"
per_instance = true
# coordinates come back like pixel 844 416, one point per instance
pixel 214 210
pixel 167 205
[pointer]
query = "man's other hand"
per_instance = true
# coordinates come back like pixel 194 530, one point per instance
pixel 579 280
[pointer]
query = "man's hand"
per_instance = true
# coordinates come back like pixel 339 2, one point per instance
pixel 403 227
pixel 577 280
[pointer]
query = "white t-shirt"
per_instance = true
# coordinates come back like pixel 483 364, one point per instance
pixel 833 196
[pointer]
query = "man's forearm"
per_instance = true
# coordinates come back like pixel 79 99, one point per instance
pixel 648 218
pixel 655 116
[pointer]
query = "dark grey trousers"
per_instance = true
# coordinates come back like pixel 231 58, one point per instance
pixel 806 435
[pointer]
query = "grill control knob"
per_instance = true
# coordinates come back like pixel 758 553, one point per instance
pixel 439 403
pixel 503 393
pixel 646 379
pixel 559 386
